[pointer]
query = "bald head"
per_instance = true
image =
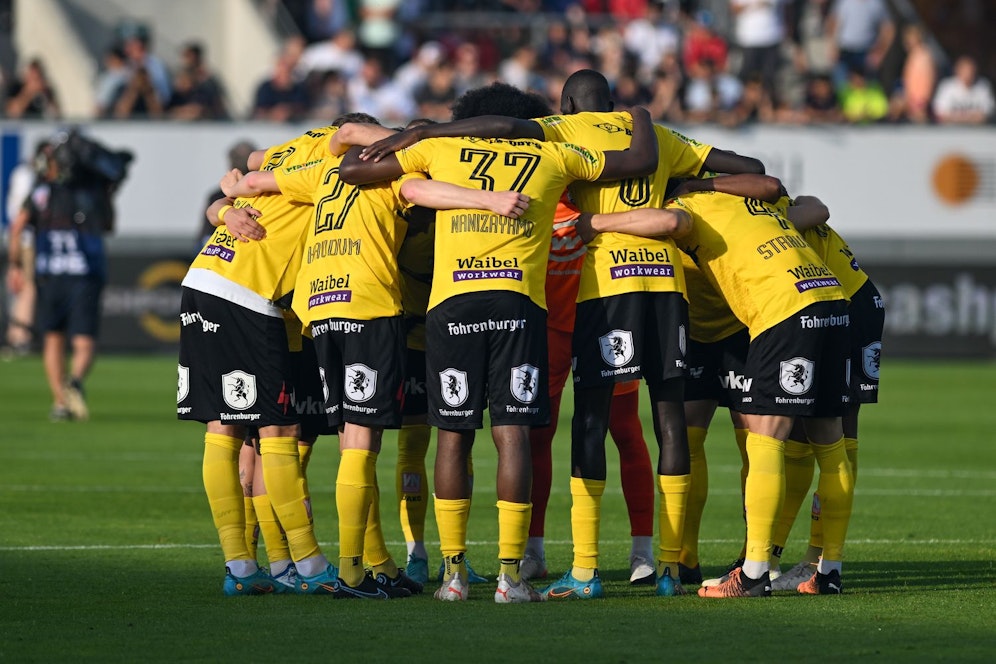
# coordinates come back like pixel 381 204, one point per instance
pixel 585 90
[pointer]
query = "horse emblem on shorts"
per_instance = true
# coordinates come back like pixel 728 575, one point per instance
pixel 453 387
pixel 871 355
pixel 239 389
pixel 617 347
pixel 524 384
pixel 796 375
pixel 361 382
pixel 182 382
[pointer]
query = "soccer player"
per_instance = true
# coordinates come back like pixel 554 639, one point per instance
pixel 563 277
pixel 796 313
pixel 616 270
pixel 486 327
pixel 228 308
pixel 867 312
pixel 348 292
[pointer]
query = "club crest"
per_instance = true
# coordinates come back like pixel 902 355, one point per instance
pixel 525 379
pixel 239 389
pixel 453 387
pixel 796 375
pixel 361 382
pixel 617 347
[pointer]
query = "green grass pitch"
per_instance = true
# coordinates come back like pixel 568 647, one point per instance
pixel 107 551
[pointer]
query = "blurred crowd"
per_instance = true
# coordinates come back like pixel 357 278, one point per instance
pixel 689 61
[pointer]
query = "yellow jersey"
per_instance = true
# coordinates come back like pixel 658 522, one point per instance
pixel 477 250
pixel 834 251
pixel 618 263
pixel 710 318
pixel 268 267
pixel 349 267
pixel 755 257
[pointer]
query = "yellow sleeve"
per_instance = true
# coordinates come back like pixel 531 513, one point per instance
pixel 415 157
pixel 299 182
pixel 582 163
pixel 685 156
pixel 396 187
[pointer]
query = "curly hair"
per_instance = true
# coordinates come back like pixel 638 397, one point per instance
pixel 500 99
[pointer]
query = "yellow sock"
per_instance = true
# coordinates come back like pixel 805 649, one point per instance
pixel 586 517
pixel 765 490
pixel 252 526
pixel 851 445
pixel 374 547
pixel 274 539
pixel 799 466
pixel 451 517
pixel 220 472
pixel 288 495
pixel 671 502
pixel 304 457
pixel 354 491
pixel 513 531
pixel 697 493
pixel 835 488
pixel 411 480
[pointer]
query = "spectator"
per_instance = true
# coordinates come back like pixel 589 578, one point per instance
pixel 238 157
pixel 650 38
pixel 820 105
pixel 862 32
pixel 139 99
pixel 964 98
pixel 520 69
pixel 327 92
pixel 414 74
pixel 281 98
pixel 467 64
pixel 373 93
pixel 668 81
pixel 437 94
pixel 918 77
pixel 759 30
pixel 754 105
pixel 111 81
pixel 32 96
pixel 337 53
pixel 197 94
pixel 136 44
pixel 702 43
pixel 710 92
pixel 862 99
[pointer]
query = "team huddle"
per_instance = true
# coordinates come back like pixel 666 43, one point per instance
pixel 362 279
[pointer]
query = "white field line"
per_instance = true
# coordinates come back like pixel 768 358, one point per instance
pixel 155 547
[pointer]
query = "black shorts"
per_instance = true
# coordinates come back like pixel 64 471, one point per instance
pixel 308 397
pixel 867 320
pixel 69 304
pixel 487 350
pixel 415 403
pixel 234 364
pixel 799 366
pixel 634 335
pixel 361 364
pixel 716 370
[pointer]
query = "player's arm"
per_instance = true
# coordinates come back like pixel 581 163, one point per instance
pixel 234 184
pixel 641 158
pixel 725 161
pixel 256 159
pixel 445 196
pixel 15 269
pixel 807 212
pixel 357 133
pixel 241 222
pixel 645 222
pixel 747 185
pixel 484 126
pixel 354 170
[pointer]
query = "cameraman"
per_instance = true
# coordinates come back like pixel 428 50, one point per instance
pixel 69 210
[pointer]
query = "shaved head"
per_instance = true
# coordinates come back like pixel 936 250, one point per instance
pixel 585 90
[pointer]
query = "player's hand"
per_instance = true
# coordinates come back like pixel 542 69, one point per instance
pixel 243 225
pixel 583 228
pixel 229 181
pixel 386 146
pixel 15 279
pixel 508 203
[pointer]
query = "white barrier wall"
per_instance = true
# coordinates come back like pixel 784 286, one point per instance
pixel 933 182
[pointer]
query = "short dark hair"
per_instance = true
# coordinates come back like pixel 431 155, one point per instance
pixel 500 99
pixel 589 89
pixel 358 118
